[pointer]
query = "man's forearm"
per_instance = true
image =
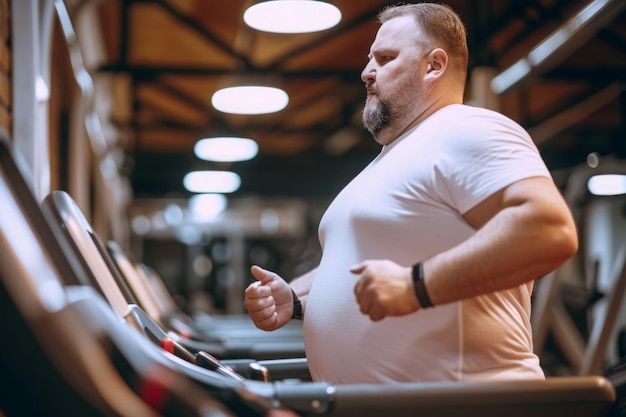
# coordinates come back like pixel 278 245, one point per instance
pixel 302 285
pixel 520 243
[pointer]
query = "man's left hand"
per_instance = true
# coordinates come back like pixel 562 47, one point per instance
pixel 383 289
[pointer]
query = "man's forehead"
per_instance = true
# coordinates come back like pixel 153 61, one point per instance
pixel 396 31
pixel 400 24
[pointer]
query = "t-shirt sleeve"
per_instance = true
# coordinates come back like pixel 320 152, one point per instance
pixel 481 154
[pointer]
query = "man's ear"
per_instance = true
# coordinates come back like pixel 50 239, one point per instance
pixel 437 62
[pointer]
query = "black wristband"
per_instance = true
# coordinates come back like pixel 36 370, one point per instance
pixel 420 288
pixel 297 307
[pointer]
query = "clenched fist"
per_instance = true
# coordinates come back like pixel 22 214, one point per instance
pixel 383 289
pixel 269 301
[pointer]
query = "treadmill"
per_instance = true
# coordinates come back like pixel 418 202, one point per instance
pixel 62 210
pixel 55 360
pixel 116 371
pixel 232 323
pixel 152 295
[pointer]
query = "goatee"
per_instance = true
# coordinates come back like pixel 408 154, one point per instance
pixel 376 116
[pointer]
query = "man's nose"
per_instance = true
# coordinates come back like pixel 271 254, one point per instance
pixel 368 74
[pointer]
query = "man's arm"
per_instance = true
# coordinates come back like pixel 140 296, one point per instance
pixel 269 300
pixel 302 286
pixel 523 232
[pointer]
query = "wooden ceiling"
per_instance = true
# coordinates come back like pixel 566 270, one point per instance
pixel 167 57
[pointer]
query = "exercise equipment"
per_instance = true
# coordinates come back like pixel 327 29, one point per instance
pixel 116 371
pixel 56 360
pixel 600 298
pixel 61 209
pixel 157 302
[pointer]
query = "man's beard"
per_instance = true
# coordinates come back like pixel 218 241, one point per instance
pixel 376 116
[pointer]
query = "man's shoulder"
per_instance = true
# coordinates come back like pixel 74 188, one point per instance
pixel 469 110
pixel 468 119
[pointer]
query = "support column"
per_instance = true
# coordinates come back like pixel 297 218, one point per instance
pixel 31 28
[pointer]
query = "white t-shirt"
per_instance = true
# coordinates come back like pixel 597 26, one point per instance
pixel 406 206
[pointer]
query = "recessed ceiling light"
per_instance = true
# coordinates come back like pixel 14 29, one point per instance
pixel 211 182
pixel 608 184
pixel 226 149
pixel 207 206
pixel 250 99
pixel 292 16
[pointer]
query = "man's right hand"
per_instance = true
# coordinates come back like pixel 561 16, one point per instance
pixel 269 301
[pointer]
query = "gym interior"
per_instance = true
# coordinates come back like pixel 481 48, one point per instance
pixel 122 279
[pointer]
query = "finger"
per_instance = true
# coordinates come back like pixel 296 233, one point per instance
pixel 358 268
pixel 375 310
pixel 377 314
pixel 360 287
pixel 256 290
pixel 263 313
pixel 267 323
pixel 255 295
pixel 259 304
pixel 263 275
pixel 364 302
pixel 357 289
pixel 360 290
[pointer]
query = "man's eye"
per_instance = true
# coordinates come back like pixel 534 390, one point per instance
pixel 385 58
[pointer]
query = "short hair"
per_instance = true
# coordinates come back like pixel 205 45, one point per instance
pixel 440 24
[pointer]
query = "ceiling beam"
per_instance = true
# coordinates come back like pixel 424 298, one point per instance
pixel 574 114
pixel 328 35
pixel 146 72
pixel 202 30
pixel 532 23
pixel 560 44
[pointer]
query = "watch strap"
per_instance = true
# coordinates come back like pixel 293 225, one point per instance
pixel 297 307
pixel 420 288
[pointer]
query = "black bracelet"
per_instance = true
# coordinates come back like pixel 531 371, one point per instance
pixel 420 288
pixel 297 307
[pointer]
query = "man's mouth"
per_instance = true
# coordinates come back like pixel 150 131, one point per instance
pixel 371 95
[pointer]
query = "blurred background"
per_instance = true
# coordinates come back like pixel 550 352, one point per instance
pixel 115 102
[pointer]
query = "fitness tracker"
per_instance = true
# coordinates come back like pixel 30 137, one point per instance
pixel 420 288
pixel 297 307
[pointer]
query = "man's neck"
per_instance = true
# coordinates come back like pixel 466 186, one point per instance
pixel 387 136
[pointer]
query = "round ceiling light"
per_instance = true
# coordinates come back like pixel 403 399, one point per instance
pixel 211 182
pixel 207 206
pixel 292 16
pixel 607 184
pixel 226 149
pixel 250 100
